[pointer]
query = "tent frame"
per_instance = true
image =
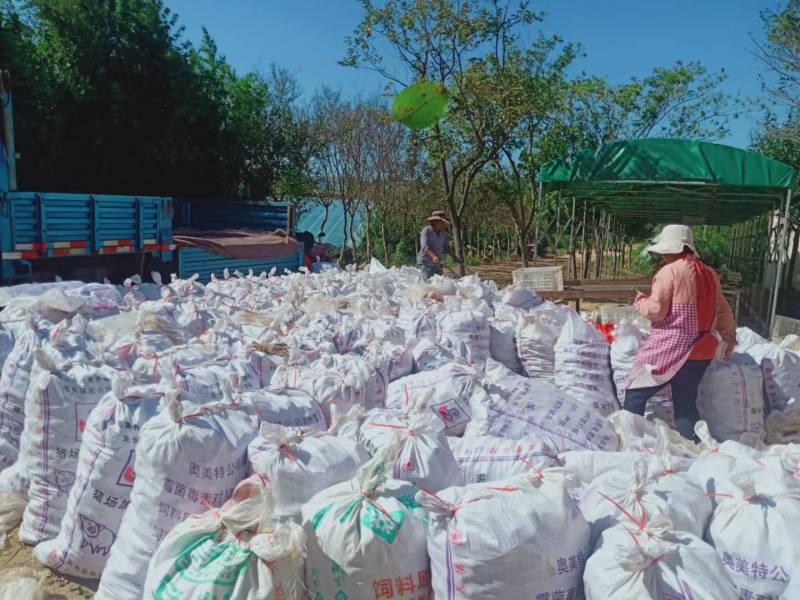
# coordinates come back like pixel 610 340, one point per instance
pixel 644 180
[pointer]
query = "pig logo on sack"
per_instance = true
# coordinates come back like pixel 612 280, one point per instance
pixel 97 537
pixel 64 481
pixel 128 475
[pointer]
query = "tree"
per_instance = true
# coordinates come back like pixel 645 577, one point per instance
pixel 109 97
pixel 393 170
pixel 342 160
pixel 125 116
pixel 463 45
pixel 681 101
pixel 781 57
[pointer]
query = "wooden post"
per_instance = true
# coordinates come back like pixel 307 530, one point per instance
pixel 573 267
pixel 558 229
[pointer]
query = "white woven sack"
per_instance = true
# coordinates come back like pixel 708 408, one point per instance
pixel 286 407
pixel 6 343
pixel 781 369
pixel 56 410
pixel 793 589
pixel 518 296
pixel 14 382
pixel 502 337
pixel 587 466
pixel 393 361
pixel 643 493
pixel 447 392
pixel 640 434
pixel 486 458
pixel 366 538
pixel 150 361
pixel 103 482
pixel 655 562
pixel 236 551
pixel 520 406
pixel 189 457
pixel 253 371
pixel 730 398
pixel 509 539
pixel 627 340
pixel 370 389
pixel 422 454
pixel 300 463
pixel 428 355
pixel 467 334
pixel 753 529
pixel 582 365
pixel 330 381
pixel 536 339
pixel 420 322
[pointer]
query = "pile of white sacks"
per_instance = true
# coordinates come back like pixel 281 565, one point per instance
pixel 364 435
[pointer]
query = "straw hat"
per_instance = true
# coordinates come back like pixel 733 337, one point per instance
pixel 672 240
pixel 438 215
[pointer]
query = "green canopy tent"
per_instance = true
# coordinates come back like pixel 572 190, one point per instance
pixel 678 181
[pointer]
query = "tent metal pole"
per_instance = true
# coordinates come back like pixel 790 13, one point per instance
pixel 781 260
pixel 558 229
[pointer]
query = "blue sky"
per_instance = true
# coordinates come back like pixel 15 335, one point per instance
pixel 621 38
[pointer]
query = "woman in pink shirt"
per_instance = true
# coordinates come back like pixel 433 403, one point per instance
pixel 692 324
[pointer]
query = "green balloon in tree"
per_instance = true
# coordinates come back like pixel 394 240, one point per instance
pixel 421 105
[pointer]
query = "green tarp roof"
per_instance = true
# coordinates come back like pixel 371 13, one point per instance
pixel 672 180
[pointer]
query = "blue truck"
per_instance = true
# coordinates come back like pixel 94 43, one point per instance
pixel 92 236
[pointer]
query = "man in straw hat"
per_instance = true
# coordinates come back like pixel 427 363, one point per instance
pixel 434 243
pixel 692 324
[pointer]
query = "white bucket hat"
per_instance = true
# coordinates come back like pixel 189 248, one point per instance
pixel 672 240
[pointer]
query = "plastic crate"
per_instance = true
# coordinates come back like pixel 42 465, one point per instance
pixel 611 313
pixel 614 314
pixel 543 279
pixel 784 326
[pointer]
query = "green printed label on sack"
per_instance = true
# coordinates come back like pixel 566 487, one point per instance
pixel 318 516
pixel 385 525
pixel 205 570
pixel 415 508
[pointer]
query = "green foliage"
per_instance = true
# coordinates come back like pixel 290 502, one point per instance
pixel 109 98
pixel 712 244
pixel 644 264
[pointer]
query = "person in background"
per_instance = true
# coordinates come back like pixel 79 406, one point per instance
pixel 434 243
pixel 692 323
pixel 307 239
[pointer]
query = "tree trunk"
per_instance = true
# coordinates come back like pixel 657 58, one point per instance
pixel 327 207
pixel 573 261
pixel 385 243
pixel 458 250
pixel 585 248
pixel 793 259
pixel 344 235
pixel 368 233
pixel 522 242
pixel 352 235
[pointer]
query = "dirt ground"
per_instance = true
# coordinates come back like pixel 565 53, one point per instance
pixel 16 555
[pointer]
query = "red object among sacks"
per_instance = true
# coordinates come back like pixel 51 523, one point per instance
pixel 607 329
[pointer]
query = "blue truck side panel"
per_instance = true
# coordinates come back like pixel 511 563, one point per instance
pixel 214 215
pixel 35 226
pixel 197 261
pixel 208 215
